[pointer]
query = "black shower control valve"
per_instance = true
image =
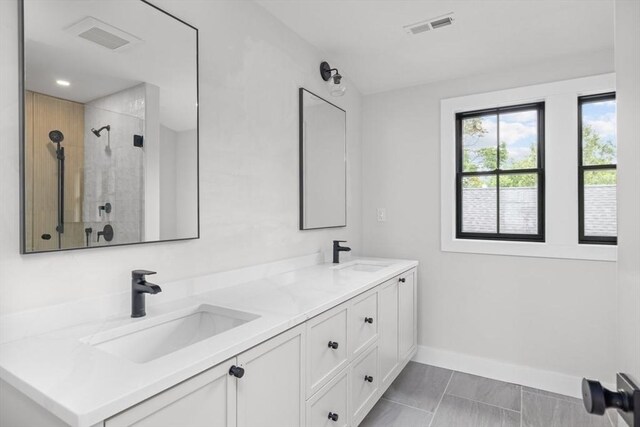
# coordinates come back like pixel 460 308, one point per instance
pixel 107 232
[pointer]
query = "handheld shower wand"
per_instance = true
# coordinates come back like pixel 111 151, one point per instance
pixel 57 137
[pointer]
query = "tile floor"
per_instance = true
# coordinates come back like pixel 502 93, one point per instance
pixel 427 396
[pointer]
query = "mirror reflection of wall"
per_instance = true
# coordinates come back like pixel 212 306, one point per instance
pixel 118 81
pixel 323 163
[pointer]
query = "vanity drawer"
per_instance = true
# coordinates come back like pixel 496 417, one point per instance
pixel 364 383
pixel 364 322
pixel 330 402
pixel 327 347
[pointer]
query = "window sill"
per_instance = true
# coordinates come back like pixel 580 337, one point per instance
pixel 608 253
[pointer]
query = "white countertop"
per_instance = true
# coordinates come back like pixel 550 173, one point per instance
pixel 83 385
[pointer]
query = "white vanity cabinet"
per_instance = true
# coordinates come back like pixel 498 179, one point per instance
pixel 328 371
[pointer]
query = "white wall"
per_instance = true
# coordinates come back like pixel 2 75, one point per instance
pixel 186 184
pixel 628 100
pixel 168 178
pixel 548 314
pixel 250 69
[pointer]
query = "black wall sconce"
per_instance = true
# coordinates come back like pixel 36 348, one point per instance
pixel 334 81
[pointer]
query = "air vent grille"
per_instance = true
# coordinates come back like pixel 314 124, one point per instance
pixel 102 34
pixel 103 38
pixel 429 24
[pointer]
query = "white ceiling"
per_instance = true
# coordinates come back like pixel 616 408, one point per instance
pixel 365 38
pixel 166 57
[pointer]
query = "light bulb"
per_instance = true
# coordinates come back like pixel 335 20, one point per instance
pixel 335 85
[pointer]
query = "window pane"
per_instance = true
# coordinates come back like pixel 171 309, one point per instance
pixel 599 133
pixel 479 144
pixel 600 203
pixel 519 204
pixel 479 204
pixel 519 140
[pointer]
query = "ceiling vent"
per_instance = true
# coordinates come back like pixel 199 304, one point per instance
pixel 103 34
pixel 429 24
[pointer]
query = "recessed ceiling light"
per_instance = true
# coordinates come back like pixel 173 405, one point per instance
pixel 63 83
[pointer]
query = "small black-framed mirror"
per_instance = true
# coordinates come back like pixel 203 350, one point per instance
pixel 323 163
pixel 109 125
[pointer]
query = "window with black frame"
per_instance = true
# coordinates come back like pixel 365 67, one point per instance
pixel 500 173
pixel 597 175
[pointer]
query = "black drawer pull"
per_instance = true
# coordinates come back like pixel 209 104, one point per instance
pixel 368 378
pixel 402 280
pixel 236 371
pixel 333 345
pixel 368 320
pixel 333 416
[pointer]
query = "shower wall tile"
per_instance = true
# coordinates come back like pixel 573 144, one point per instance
pixel 114 168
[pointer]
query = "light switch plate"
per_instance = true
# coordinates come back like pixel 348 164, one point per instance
pixel 382 214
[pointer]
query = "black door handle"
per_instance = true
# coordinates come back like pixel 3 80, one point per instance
pixel 368 320
pixel 333 345
pixel 402 280
pixel 333 416
pixel 368 378
pixel 597 398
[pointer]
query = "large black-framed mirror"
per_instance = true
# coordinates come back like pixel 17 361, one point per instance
pixel 323 163
pixel 109 125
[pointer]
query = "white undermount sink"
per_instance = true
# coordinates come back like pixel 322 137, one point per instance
pixel 150 339
pixel 362 265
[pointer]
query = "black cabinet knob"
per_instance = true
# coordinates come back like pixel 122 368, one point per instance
pixel 368 320
pixel 333 345
pixel 597 399
pixel 333 416
pixel 402 280
pixel 368 378
pixel 236 371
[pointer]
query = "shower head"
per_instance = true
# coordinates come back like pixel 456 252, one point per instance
pixel 56 136
pixel 97 132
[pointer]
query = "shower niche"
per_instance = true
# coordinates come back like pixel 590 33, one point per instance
pixel 109 149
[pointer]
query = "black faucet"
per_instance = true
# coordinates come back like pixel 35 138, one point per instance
pixel 337 249
pixel 139 287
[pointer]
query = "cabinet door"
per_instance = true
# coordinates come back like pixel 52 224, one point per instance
pixel 364 322
pixel 329 406
pixel 364 384
pixel 406 314
pixel 388 330
pixel 206 400
pixel 271 392
pixel 325 360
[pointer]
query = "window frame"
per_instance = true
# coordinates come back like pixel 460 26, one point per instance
pixel 539 107
pixel 582 238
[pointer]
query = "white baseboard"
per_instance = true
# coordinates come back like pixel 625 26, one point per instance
pixel 555 382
